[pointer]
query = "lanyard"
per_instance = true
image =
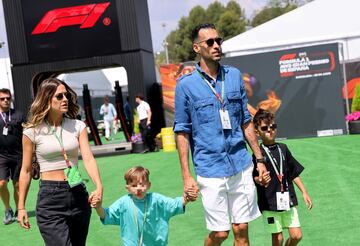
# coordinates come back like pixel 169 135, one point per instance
pixel 221 99
pixel 279 173
pixel 4 117
pixel 60 140
pixel 137 223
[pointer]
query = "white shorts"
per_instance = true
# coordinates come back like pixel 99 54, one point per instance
pixel 229 200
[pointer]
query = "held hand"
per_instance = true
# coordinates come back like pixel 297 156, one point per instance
pixel 191 189
pixel 307 200
pixel 95 202
pixel 191 193
pixel 261 168
pixel 95 197
pixel 23 219
pixel 266 179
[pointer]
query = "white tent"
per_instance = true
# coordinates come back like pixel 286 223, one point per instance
pixel 318 22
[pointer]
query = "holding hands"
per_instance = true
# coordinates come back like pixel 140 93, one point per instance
pixel 95 199
pixel 264 176
pixel 191 190
pixel 265 179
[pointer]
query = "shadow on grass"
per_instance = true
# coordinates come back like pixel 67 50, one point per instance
pixel 31 214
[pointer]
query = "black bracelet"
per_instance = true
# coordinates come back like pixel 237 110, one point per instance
pixel 261 160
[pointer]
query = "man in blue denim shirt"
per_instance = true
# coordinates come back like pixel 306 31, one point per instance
pixel 212 119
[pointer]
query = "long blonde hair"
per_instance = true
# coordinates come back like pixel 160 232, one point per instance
pixel 42 103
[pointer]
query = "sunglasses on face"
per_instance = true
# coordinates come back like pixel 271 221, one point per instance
pixel 5 98
pixel 210 42
pixel 61 96
pixel 266 128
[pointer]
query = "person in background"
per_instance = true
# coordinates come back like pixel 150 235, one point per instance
pixel 144 117
pixel 109 113
pixel 277 201
pixel 211 119
pixel 52 132
pixel 129 116
pixel 10 152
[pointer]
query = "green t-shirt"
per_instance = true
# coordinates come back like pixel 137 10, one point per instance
pixel 159 210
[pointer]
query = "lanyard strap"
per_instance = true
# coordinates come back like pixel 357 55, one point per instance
pixel 279 173
pixel 60 140
pixel 137 223
pixel 4 117
pixel 221 99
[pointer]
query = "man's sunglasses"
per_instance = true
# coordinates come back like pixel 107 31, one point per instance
pixel 61 96
pixel 210 42
pixel 5 98
pixel 266 128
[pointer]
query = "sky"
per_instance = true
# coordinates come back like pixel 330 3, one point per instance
pixel 169 12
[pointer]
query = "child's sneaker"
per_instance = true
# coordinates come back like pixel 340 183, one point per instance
pixel 9 214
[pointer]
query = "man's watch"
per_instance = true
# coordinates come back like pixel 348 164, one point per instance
pixel 260 160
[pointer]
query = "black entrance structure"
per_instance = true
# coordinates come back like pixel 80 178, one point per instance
pixel 47 38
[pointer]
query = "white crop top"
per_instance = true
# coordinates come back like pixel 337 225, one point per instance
pixel 48 148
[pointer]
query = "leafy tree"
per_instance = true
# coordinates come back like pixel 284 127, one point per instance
pixel 232 22
pixel 235 7
pixel 214 11
pixel 276 8
pixel 269 13
pixel 229 21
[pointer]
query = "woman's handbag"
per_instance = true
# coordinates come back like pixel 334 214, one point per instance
pixel 35 172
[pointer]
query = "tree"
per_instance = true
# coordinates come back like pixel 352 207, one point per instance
pixel 232 21
pixel 269 13
pixel 214 11
pixel 276 8
pixel 229 21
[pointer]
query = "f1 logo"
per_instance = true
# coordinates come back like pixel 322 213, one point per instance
pixel 84 15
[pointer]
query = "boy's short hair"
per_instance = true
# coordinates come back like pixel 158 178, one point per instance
pixel 263 115
pixel 136 173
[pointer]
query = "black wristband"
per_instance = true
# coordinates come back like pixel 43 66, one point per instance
pixel 261 160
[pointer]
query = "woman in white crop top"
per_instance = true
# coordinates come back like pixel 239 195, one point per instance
pixel 62 210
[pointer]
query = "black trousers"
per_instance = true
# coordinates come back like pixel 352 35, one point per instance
pixel 146 135
pixel 63 213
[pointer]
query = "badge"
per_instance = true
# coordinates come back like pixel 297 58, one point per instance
pixel 225 119
pixel 73 175
pixel 5 131
pixel 283 200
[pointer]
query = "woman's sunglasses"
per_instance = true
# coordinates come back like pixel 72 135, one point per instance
pixel 61 96
pixel 210 42
pixel 266 128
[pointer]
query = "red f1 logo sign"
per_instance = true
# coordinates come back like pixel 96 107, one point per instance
pixel 84 15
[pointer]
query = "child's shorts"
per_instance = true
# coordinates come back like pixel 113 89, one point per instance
pixel 275 221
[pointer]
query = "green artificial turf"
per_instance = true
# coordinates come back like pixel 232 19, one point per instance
pixel 118 138
pixel 332 170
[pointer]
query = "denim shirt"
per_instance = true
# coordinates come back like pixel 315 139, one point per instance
pixel 216 152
